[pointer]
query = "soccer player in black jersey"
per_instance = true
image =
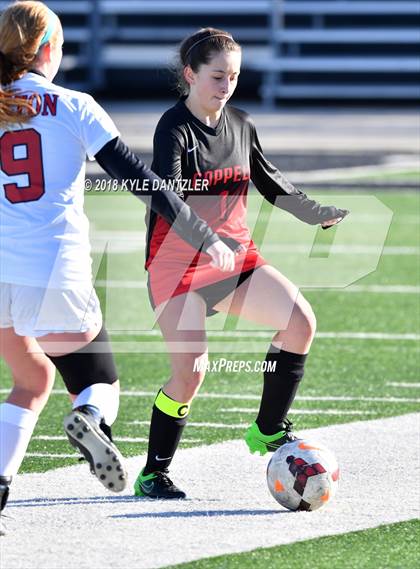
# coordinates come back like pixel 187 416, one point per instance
pixel 216 148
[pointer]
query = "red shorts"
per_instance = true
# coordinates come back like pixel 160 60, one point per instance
pixel 169 278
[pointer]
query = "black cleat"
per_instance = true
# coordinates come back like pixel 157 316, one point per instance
pixel 157 485
pixel 4 494
pixel 105 460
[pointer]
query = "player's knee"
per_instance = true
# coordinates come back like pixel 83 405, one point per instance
pixel 92 364
pixel 309 323
pixel 42 379
pixel 304 320
pixel 193 380
pixel 37 390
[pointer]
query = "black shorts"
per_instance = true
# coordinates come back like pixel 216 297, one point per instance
pixel 214 293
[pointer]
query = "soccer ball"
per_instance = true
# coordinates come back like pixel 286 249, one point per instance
pixel 302 475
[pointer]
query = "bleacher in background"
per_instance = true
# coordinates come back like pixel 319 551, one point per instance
pixel 293 49
pixel 343 49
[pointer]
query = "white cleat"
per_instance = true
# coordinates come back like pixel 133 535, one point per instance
pixel 105 460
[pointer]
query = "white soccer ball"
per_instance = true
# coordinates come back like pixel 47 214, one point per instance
pixel 303 475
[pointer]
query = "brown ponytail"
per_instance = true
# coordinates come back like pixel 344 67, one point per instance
pixel 22 27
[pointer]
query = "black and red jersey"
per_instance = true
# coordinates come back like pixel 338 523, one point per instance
pixel 213 167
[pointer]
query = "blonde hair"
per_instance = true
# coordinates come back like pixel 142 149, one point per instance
pixel 23 26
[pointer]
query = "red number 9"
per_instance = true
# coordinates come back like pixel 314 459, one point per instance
pixel 31 164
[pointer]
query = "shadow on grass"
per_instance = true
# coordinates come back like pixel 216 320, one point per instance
pixel 75 501
pixel 201 514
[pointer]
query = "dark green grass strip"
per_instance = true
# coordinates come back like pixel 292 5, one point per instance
pixel 394 546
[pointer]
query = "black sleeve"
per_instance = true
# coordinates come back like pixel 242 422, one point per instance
pixel 121 164
pixel 167 152
pixel 276 189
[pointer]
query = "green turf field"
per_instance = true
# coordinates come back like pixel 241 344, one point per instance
pixel 408 175
pixel 341 551
pixel 361 375
pixel 364 363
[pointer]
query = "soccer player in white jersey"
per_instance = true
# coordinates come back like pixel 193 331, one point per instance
pixel 46 292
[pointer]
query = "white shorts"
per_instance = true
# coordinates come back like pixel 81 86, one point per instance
pixel 36 311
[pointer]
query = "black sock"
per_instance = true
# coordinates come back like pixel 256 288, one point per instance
pixel 166 428
pixel 280 386
pixel 106 429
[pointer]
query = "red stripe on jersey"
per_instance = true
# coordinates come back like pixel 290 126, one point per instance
pixel 176 268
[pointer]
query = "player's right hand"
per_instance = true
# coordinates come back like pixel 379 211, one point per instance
pixel 222 257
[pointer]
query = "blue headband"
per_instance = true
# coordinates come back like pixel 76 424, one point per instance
pixel 52 21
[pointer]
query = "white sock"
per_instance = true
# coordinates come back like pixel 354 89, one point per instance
pixel 104 397
pixel 16 428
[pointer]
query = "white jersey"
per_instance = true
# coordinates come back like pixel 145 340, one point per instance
pixel 44 233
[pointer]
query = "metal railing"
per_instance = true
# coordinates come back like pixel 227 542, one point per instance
pixel 293 70
pixel 300 49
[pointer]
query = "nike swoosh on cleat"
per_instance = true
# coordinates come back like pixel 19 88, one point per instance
pixel 146 487
pixel 193 148
pixel 157 457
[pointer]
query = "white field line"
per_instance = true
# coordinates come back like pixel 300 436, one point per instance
pixel 205 425
pixel 401 163
pixel 368 336
pixel 300 411
pixel 352 173
pixel 121 284
pixel 384 289
pixel 348 398
pixel 229 508
pixel 127 241
pixel 404 384
pixel 371 218
pixel 268 335
pixel 341 249
pixel 50 455
pixel 117 439
pixel 199 425
pixel 118 235
pixel 124 215
pixel 248 397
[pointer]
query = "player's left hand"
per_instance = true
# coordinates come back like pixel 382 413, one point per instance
pixel 222 257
